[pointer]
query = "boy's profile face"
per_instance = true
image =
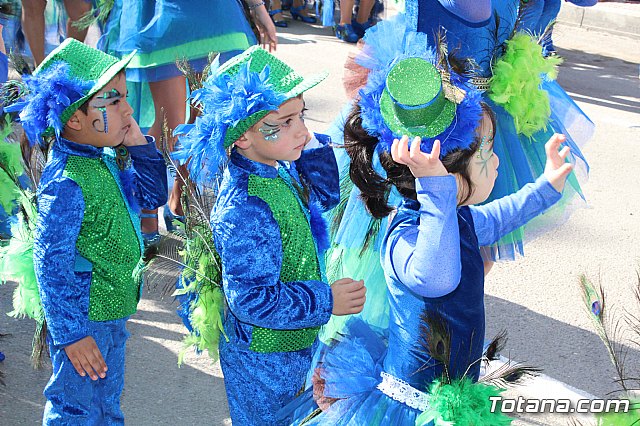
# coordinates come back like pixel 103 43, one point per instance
pixel 280 136
pixel 108 117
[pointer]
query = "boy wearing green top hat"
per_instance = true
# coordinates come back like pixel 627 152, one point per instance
pixel 87 245
pixel 267 227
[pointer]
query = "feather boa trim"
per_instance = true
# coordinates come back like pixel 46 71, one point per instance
pixel 225 101
pixel 515 84
pixel 462 402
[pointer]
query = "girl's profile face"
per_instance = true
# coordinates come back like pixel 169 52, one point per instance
pixel 483 167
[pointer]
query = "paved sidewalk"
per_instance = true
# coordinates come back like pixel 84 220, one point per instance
pixel 610 17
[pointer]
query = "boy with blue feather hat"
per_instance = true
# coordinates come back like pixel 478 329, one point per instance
pixel 267 227
pixel 87 246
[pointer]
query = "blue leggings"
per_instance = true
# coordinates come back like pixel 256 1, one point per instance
pixel 539 14
pixel 76 400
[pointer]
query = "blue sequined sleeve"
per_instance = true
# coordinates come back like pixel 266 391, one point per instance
pixel 423 252
pixel 151 175
pixel 319 168
pixel 64 292
pixel 248 240
pixel 497 218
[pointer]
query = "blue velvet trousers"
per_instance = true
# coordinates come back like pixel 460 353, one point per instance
pixel 76 400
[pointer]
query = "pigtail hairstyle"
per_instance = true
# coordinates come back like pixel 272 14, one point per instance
pixel 374 189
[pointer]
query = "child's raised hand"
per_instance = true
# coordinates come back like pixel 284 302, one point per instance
pixel 134 135
pixel 348 296
pixel 420 163
pixel 87 358
pixel 556 169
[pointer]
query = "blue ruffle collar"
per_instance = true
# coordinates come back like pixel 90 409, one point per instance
pixel 72 148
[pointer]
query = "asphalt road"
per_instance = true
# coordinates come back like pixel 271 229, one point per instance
pixel 536 298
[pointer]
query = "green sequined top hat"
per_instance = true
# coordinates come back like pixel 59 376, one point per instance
pixel 86 64
pixel 282 77
pixel 413 102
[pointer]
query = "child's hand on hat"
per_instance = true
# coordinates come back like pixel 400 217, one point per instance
pixel 348 296
pixel 556 170
pixel 87 358
pixel 420 163
pixel 134 136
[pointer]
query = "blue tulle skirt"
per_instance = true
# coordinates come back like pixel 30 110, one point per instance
pixel 164 31
pixel 350 366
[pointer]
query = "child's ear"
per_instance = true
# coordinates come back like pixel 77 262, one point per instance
pixel 243 142
pixel 74 122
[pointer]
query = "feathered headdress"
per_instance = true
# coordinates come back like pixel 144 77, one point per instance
pixel 412 90
pixel 236 96
pixel 66 79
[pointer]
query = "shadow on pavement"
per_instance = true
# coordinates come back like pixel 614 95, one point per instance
pixel 600 80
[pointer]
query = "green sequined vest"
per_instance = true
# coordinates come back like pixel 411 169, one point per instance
pixel 299 259
pixel 108 239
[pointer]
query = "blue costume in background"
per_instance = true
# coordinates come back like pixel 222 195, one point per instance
pixel 84 234
pixel 432 262
pixel 272 276
pixel 522 159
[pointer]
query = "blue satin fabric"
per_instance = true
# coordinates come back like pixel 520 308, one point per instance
pixel 247 237
pixel 76 400
pixel 413 255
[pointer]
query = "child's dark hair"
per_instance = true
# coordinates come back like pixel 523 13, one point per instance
pixel 360 147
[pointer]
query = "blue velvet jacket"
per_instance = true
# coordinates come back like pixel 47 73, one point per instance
pixel 248 239
pixel 64 276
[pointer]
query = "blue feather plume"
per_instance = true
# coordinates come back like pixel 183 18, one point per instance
pixel 50 92
pixel 319 228
pixel 225 101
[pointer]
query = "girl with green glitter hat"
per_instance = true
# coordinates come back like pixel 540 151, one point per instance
pixel 425 368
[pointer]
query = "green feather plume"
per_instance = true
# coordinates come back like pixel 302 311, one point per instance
pixel 10 168
pixel 515 84
pixel 97 14
pixel 462 403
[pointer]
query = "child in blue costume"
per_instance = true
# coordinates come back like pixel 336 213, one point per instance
pixel 163 32
pixel 267 227
pixel 87 244
pixel 483 32
pixel 431 250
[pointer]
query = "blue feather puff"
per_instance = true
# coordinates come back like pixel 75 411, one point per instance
pixel 225 101
pixel 388 43
pixel 319 228
pixel 50 92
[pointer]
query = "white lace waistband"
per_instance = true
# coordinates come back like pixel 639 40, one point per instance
pixel 403 392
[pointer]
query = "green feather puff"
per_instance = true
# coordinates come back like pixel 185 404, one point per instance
pixel 10 169
pixel 462 403
pixel 621 419
pixel 16 258
pixel 515 84
pixel 16 264
pixel 202 272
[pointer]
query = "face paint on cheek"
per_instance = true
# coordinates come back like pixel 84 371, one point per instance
pixel 270 132
pixel 105 125
pixel 484 157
